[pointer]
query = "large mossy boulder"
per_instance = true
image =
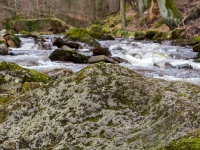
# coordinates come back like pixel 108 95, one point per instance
pixel 98 32
pixel 13 76
pixel 12 40
pixel 84 36
pixel 103 106
pixel 89 36
pixel 48 24
pixel 67 55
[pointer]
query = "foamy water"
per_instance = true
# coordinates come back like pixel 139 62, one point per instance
pixel 150 59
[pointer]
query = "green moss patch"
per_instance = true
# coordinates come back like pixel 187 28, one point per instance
pixel 82 35
pixel 34 76
pixel 6 66
pixel 191 141
pixel 3 100
pixel 2 81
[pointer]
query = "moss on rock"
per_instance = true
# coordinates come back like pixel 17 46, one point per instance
pixel 13 77
pixel 139 35
pixel 189 142
pixel 82 35
pixel 35 76
pixel 29 86
pixel 6 66
pixel 151 33
pixel 102 106
pixel 89 36
pixel 170 14
pixel 2 81
pixel 31 25
pixel 12 40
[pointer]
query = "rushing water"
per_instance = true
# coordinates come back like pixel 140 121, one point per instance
pixel 147 58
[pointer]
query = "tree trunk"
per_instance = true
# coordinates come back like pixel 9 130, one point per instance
pixel 122 14
pixel 169 12
pixel 154 12
pixel 142 5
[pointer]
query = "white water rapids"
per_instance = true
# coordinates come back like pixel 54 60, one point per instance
pixel 145 57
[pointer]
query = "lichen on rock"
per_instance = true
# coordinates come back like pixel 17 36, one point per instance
pixel 103 106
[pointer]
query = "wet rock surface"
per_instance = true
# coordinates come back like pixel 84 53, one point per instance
pixel 67 55
pixel 103 106
pixel 3 49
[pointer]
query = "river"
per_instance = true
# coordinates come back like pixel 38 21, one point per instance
pixel 173 63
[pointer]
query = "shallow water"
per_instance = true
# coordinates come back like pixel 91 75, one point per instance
pixel 145 57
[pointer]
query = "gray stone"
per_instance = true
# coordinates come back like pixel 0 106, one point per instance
pixel 103 106
pixel 3 49
pixel 100 58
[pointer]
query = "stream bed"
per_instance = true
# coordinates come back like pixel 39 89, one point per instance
pixel 173 63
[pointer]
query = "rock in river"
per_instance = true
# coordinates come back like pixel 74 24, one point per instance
pixel 3 49
pixel 68 55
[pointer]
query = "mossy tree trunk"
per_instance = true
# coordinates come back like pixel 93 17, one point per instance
pixel 169 12
pixel 122 14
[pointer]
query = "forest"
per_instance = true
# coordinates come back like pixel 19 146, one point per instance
pixel 99 74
